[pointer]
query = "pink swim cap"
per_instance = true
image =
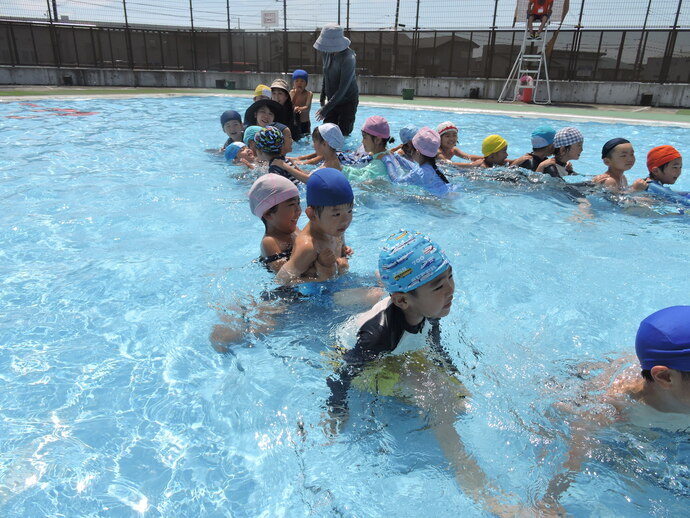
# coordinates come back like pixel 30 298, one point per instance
pixel 427 142
pixel 377 126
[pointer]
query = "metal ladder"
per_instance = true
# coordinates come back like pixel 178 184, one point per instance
pixel 532 64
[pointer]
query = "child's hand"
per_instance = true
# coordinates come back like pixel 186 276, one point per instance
pixel 343 265
pixel 545 164
pixel 640 184
pixel 347 251
pixel 319 115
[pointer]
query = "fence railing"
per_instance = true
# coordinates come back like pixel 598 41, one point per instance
pixel 647 55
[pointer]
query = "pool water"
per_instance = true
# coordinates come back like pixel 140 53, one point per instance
pixel 121 237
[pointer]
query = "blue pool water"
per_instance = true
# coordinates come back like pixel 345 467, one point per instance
pixel 121 237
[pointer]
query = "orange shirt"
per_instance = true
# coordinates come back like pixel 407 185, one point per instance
pixel 544 8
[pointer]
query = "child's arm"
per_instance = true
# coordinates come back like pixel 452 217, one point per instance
pixel 639 185
pixel 315 159
pixel 461 154
pixel 303 257
pixel 307 105
pixel 294 171
pixel 269 247
pixel 246 163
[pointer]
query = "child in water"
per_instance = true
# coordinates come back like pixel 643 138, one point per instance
pixel 425 145
pixel 406 134
pixel 568 144
pixel 269 142
pixel 301 100
pixel 275 200
pixel 449 138
pixel 329 209
pixel 240 154
pixel 495 151
pixel 231 122
pixel 664 164
pixel 376 135
pixel 619 155
pixel 328 140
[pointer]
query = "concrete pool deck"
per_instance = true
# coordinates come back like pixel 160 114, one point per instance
pixel 603 113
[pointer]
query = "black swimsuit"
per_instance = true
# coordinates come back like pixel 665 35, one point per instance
pixel 285 254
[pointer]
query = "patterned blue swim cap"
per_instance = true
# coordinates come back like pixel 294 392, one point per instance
pixel 409 260
pixel 664 339
pixel 269 140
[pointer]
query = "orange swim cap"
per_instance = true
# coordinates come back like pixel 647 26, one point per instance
pixel 661 155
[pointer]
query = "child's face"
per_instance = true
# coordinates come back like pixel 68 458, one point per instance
pixel 499 157
pixel 371 144
pixel 449 139
pixel 279 95
pixel 245 153
pixel 335 220
pixel 433 299
pixel 233 129
pixel 299 84
pixel 575 151
pixel 670 173
pixel 264 116
pixel 622 157
pixel 285 218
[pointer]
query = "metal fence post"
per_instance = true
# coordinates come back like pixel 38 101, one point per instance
pixel 285 38
pixel 130 55
pixel 670 46
pixel 415 42
pixel 230 57
pixel 191 20
pixel 491 44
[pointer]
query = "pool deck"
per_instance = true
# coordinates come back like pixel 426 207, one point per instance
pixel 586 112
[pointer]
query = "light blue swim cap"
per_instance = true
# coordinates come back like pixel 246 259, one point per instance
pixel 409 260
pixel 232 150
pixel 407 133
pixel 249 134
pixel 664 339
pixel 543 136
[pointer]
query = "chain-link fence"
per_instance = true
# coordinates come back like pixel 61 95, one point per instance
pixel 620 40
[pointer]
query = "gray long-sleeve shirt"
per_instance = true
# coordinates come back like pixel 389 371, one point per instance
pixel 339 84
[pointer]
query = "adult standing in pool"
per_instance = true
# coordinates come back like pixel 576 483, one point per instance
pixel 339 84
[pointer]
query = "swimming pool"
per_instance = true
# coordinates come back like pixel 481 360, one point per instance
pixel 121 237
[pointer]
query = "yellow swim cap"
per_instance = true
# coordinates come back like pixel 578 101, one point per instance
pixel 493 143
pixel 261 90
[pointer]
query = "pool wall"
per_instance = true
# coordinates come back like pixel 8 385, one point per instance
pixel 601 92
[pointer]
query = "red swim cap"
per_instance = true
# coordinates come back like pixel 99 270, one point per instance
pixel 661 155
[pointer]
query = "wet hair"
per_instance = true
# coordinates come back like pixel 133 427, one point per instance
pixel 432 160
pixel 647 375
pixel 557 151
pixel 316 135
pixel 318 209
pixel 661 168
pixel 408 148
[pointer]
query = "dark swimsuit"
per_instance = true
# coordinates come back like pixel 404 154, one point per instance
pixel 280 171
pixel 285 254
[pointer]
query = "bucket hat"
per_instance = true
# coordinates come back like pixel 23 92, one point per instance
pixel 331 39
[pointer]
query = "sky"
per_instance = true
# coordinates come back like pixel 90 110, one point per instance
pixel 363 14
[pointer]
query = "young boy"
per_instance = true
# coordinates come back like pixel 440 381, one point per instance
pixel 231 122
pixel 248 139
pixel 329 209
pixel 328 140
pixel 240 154
pixel 269 142
pixel 262 92
pixel 495 151
pixel 619 155
pixel 658 397
pixel 664 164
pixel 542 147
pixel 398 353
pixel 301 100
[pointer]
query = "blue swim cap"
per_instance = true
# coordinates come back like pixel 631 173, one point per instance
pixel 664 339
pixel 407 133
pixel 249 134
pixel 409 260
pixel 230 115
pixel 327 187
pixel 232 150
pixel 300 74
pixel 543 136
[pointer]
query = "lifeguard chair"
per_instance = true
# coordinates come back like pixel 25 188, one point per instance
pixel 528 80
